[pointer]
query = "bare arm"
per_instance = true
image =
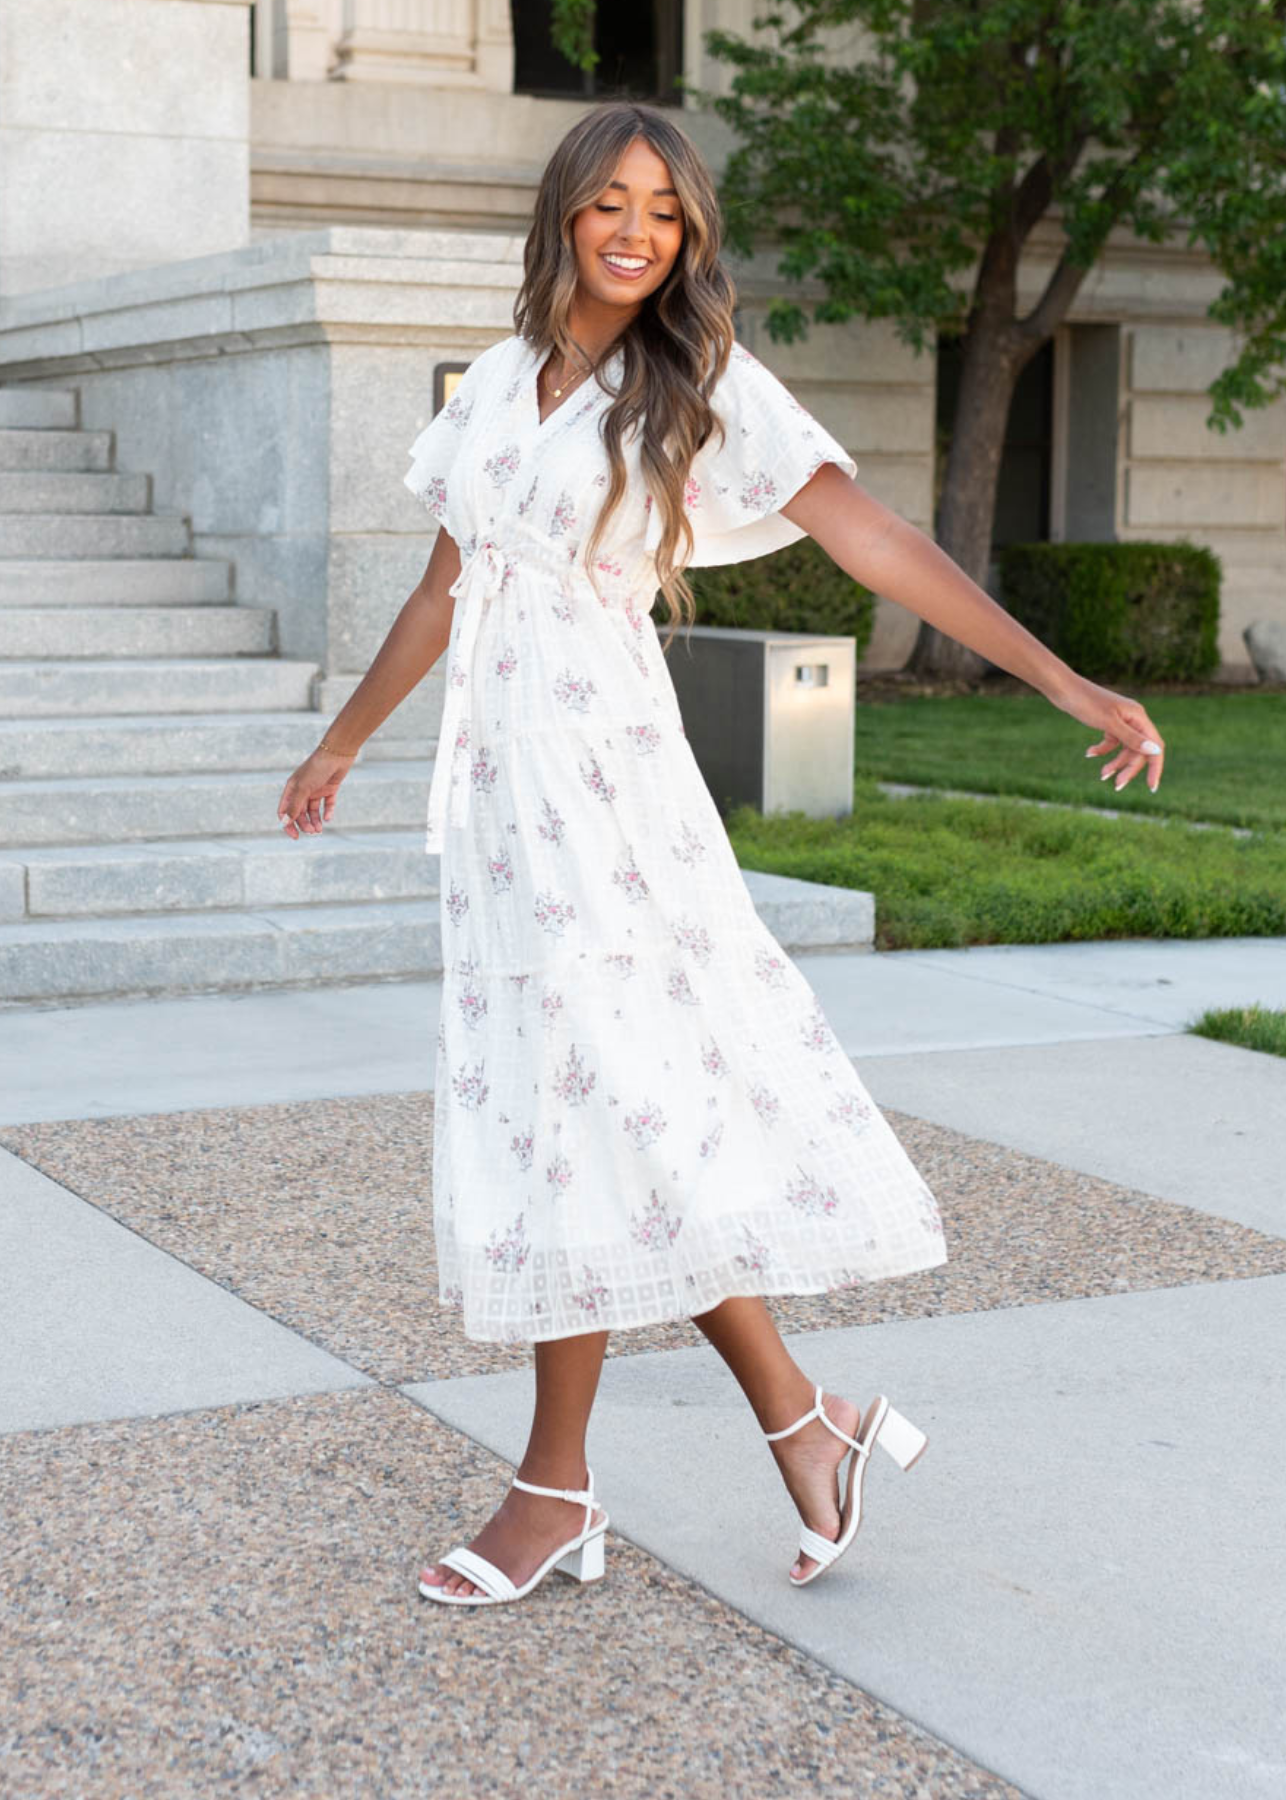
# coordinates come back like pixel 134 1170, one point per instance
pixel 415 641
pixel 887 554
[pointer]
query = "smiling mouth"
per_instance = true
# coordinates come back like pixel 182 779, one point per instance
pixel 627 268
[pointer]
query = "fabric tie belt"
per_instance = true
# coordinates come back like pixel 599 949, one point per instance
pixel 482 575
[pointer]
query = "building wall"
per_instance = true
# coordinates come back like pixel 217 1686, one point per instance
pixel 124 135
pixel 400 113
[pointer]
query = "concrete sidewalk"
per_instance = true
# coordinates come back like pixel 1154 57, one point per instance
pixel 234 1421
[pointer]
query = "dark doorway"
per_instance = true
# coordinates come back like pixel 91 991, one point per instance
pixel 1023 489
pixel 640 51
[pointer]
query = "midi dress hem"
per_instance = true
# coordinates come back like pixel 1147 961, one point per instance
pixel 749 1290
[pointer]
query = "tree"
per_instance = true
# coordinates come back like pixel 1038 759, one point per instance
pixel 933 136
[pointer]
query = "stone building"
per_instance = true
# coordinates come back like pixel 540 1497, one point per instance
pixel 236 242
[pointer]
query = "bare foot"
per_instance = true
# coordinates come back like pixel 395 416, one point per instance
pixel 517 1538
pixel 809 1461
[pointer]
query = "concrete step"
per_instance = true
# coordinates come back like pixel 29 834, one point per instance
pixel 158 581
pixel 136 631
pixel 198 874
pixel 389 794
pixel 45 409
pixel 26 449
pixel 190 953
pixel 92 534
pixel 66 491
pixel 184 743
pixel 69 689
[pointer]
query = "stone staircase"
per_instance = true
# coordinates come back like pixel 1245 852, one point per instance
pixel 147 725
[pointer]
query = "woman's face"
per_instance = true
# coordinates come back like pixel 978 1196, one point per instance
pixel 627 238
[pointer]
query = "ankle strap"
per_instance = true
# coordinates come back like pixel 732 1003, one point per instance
pixel 816 1411
pixel 582 1496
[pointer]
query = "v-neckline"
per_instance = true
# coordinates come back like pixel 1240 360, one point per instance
pixel 537 362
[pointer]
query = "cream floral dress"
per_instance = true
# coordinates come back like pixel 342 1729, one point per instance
pixel 640 1106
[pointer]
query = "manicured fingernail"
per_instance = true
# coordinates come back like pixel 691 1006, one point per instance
pixel 1149 748
pixel 1119 783
pixel 1105 774
pixel 1090 751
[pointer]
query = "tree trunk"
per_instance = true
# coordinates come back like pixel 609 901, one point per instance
pixel 994 356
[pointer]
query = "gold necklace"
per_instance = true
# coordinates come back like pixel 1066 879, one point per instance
pixel 558 391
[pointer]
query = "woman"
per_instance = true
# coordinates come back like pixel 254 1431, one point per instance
pixel 641 1110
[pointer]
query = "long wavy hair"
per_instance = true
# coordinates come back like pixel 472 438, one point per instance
pixel 675 347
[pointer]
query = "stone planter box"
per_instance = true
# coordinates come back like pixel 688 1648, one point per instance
pixel 769 716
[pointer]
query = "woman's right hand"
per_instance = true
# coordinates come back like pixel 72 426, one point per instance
pixel 308 798
pixel 1128 732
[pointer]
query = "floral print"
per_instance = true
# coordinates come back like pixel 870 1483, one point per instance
pixel 640 1105
pixel 503 466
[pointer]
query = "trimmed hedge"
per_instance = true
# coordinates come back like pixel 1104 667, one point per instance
pixel 799 588
pixel 1143 611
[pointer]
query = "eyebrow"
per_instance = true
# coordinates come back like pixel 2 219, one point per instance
pixel 625 190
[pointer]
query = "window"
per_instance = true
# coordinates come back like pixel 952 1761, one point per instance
pixel 640 50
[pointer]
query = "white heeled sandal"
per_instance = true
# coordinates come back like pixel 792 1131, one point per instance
pixel 884 1425
pixel 582 1557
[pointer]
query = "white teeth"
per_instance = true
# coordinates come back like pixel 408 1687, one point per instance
pixel 627 262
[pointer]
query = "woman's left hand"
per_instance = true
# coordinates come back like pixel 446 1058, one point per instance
pixel 1127 729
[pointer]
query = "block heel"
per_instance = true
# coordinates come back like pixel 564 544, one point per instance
pixel 903 1440
pixel 588 1563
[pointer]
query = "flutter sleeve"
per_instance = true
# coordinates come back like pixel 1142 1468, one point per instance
pixel 735 489
pixel 435 450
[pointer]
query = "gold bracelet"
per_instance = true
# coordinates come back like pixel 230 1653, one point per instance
pixel 333 751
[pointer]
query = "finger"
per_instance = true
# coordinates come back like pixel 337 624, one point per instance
pixel 314 815
pixel 1137 732
pixel 1153 747
pixel 1129 769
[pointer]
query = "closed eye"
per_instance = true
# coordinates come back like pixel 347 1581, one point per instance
pixel 670 216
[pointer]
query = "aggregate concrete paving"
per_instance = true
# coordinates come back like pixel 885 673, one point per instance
pixel 223 1459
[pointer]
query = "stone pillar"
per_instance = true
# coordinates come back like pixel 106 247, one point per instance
pixel 272 394
pixel 308 32
pixel 126 136
pixel 438 43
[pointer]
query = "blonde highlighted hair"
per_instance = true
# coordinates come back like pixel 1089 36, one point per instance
pixel 676 346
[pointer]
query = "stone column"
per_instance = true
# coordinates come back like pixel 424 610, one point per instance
pixel 308 31
pixel 439 43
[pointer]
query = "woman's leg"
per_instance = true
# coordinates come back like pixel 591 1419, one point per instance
pixel 743 1332
pixel 527 1527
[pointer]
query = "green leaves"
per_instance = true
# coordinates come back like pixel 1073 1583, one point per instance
pixel 882 145
pixel 572 31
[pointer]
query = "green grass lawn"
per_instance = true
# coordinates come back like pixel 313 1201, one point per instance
pixel 1253 1027
pixel 1225 753
pixel 952 872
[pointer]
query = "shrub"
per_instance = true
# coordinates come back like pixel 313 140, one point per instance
pixel 1143 611
pixel 796 589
